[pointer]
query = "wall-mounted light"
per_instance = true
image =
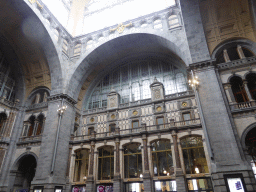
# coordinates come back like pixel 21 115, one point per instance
pixel 141 175
pixel 61 109
pixel 194 81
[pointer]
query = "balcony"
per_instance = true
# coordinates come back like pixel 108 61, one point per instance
pixel 188 124
pixel 245 106
pixel 31 139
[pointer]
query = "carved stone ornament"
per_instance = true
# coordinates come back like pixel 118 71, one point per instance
pixel 113 99
pixel 157 90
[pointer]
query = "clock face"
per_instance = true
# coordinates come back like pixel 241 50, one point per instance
pixel 113 116
pixel 184 104
pixel 158 109
pixel 135 112
pixel 92 120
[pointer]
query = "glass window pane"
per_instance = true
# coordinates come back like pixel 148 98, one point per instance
pixel 134 187
pixel 165 186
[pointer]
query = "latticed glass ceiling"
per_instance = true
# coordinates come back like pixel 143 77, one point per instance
pixel 98 14
pixel 132 81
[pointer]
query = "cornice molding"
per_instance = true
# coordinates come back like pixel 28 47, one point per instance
pixel 202 65
pixel 60 97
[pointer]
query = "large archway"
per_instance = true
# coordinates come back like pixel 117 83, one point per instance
pixel 24 173
pixel 31 42
pixel 109 55
pixel 250 143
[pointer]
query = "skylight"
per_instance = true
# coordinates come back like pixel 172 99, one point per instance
pixel 98 14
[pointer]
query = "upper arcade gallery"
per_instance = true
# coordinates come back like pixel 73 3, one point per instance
pixel 127 95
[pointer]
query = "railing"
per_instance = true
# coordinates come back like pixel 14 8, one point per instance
pixel 138 130
pixel 237 62
pixel 38 105
pixel 141 102
pixel 31 138
pixel 244 105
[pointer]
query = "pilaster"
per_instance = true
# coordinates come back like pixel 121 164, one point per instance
pixel 146 174
pixel 54 154
pixel 180 178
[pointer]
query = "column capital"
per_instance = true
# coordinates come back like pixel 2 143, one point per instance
pixel 61 96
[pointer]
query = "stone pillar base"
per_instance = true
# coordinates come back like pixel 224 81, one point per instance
pixel 220 185
pixel 90 183
pixel 147 182
pixel 117 183
pixel 180 180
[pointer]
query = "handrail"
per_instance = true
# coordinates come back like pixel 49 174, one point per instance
pixel 31 138
pixel 137 130
pixel 243 105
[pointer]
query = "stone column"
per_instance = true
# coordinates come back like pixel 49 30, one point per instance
pixel 225 55
pixel 146 174
pixel 180 178
pixel 247 90
pixel 53 157
pixel 222 134
pixel 194 30
pixel 117 175
pixel 229 93
pixel 240 51
pixel 90 178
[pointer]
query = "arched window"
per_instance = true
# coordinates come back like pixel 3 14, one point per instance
pixel 56 34
pixel 162 158
pixel 231 53
pixel 158 24
pixel 106 163
pixel 31 125
pixel 40 125
pixel 194 156
pixel 251 80
pixel 250 142
pixel 160 122
pixel 112 127
pixel 39 96
pixel 238 89
pixel 132 161
pixel 3 118
pixel 132 81
pixel 90 130
pixel 81 165
pixel 65 46
pixel 77 49
pixel 173 21
pixel 34 126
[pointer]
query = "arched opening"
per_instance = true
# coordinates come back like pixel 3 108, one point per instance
pixel 106 163
pixel 31 126
pixel 81 165
pixel 40 124
pixel 238 89
pixel 3 118
pixel 233 51
pixel 131 79
pixel 25 173
pixel 250 143
pixel 132 160
pixel 251 80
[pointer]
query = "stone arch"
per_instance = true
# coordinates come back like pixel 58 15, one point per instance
pixel 128 143
pixel 192 135
pixel 23 171
pixel 107 55
pixel 234 75
pixel 244 134
pixel 34 91
pixel 38 34
pixel 158 139
pixel 246 43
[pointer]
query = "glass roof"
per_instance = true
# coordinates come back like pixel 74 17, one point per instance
pixel 98 14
